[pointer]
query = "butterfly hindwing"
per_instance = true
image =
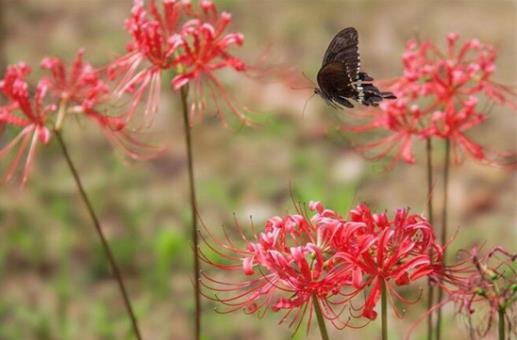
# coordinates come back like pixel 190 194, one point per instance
pixel 334 82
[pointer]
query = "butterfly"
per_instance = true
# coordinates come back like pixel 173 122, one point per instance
pixel 340 77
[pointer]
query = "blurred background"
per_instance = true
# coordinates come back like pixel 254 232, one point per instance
pixel 54 280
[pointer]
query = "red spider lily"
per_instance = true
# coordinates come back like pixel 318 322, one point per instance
pixel 392 251
pixel 192 49
pixel 451 124
pixel 286 265
pixel 437 97
pixel 82 89
pixel 482 285
pixel 23 111
pixel 203 49
pixel 325 256
pixel 78 90
pixel 150 52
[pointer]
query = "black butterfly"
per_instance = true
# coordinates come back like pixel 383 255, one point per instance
pixel 340 77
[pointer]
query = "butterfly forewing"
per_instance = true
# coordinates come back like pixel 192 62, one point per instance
pixel 340 67
pixel 343 48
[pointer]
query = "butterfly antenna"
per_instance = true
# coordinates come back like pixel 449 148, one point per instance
pixel 295 79
pixel 305 104
pixel 309 79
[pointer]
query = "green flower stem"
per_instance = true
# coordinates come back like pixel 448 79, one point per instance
pixel 114 267
pixel 446 169
pixel 319 317
pixel 193 207
pixel 430 296
pixel 384 311
pixel 502 329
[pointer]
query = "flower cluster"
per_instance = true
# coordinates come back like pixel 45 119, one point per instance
pixel 78 90
pixel 81 89
pixel 325 257
pixel 437 97
pixel 483 286
pixel 190 43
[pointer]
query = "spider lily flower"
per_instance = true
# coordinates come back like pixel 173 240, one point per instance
pixel 27 113
pixel 283 268
pixel 298 257
pixel 394 252
pixel 456 72
pixel 437 97
pixel 203 49
pixel 82 89
pixel 77 90
pixel 403 124
pixel 190 43
pixel 482 286
pixel 453 122
pixel 150 52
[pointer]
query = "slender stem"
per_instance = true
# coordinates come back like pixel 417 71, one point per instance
pixel 105 245
pixel 430 296
pixel 384 311
pixel 193 207
pixel 429 150
pixel 319 317
pixel 446 169
pixel 502 329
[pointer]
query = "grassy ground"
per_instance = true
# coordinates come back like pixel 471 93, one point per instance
pixel 54 280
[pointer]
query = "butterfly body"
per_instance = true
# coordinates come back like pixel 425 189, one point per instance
pixel 340 77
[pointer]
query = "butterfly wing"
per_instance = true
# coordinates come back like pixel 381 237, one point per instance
pixel 340 76
pixel 335 84
pixel 343 46
pixel 340 67
pixel 344 49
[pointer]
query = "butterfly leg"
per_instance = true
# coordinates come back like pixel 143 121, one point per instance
pixel 364 76
pixel 342 101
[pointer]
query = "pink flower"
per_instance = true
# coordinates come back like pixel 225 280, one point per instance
pixel 82 89
pixel 191 44
pixel 150 52
pixel 26 113
pixel 437 97
pixel 392 251
pixel 78 90
pixel 481 285
pixel 285 266
pixel 452 123
pixel 203 49
pixel 404 124
pixel 296 258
